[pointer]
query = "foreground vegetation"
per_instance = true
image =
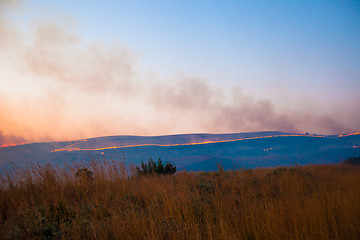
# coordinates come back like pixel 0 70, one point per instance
pixel 102 202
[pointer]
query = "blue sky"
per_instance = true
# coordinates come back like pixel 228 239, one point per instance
pixel 198 37
pixel 302 56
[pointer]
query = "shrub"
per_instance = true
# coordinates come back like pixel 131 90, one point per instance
pixel 84 175
pixel 352 160
pixel 155 168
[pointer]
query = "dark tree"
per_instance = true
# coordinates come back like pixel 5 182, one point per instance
pixel 155 168
pixel 352 160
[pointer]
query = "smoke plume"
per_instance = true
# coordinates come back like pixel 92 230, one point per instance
pixel 56 86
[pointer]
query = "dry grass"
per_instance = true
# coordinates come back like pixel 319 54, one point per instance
pixel 310 202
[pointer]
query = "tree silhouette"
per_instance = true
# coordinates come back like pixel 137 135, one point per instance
pixel 155 168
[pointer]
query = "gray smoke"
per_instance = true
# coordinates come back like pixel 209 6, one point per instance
pixel 93 89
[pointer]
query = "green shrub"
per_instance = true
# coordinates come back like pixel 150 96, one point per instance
pixel 155 168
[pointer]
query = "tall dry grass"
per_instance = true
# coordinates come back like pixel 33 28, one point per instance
pixel 310 202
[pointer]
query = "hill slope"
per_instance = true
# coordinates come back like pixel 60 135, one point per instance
pixel 192 151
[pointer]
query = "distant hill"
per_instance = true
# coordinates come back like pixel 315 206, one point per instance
pixel 192 151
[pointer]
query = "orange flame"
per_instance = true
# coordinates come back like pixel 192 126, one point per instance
pixel 11 144
pixel 350 134
pixel 268 149
pixel 71 148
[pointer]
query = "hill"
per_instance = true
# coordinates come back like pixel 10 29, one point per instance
pixel 192 151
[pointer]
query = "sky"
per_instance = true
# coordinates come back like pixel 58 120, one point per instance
pixel 81 69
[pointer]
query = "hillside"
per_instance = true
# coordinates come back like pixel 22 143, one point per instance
pixel 191 151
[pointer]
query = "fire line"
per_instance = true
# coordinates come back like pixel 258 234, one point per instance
pixel 71 148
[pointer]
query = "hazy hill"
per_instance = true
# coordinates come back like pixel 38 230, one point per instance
pixel 192 151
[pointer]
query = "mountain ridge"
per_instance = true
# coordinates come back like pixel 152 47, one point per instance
pixel 198 151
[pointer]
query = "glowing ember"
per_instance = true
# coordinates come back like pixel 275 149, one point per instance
pixel 10 145
pixel 72 148
pixel 350 134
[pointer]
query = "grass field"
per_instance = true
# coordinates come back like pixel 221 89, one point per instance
pixel 303 202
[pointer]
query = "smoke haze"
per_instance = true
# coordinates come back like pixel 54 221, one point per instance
pixel 56 86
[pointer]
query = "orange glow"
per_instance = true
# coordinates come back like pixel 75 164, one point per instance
pixel 71 148
pixel 10 145
pixel 350 134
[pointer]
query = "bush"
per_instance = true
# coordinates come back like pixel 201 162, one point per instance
pixel 155 168
pixel 84 175
pixel 352 161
